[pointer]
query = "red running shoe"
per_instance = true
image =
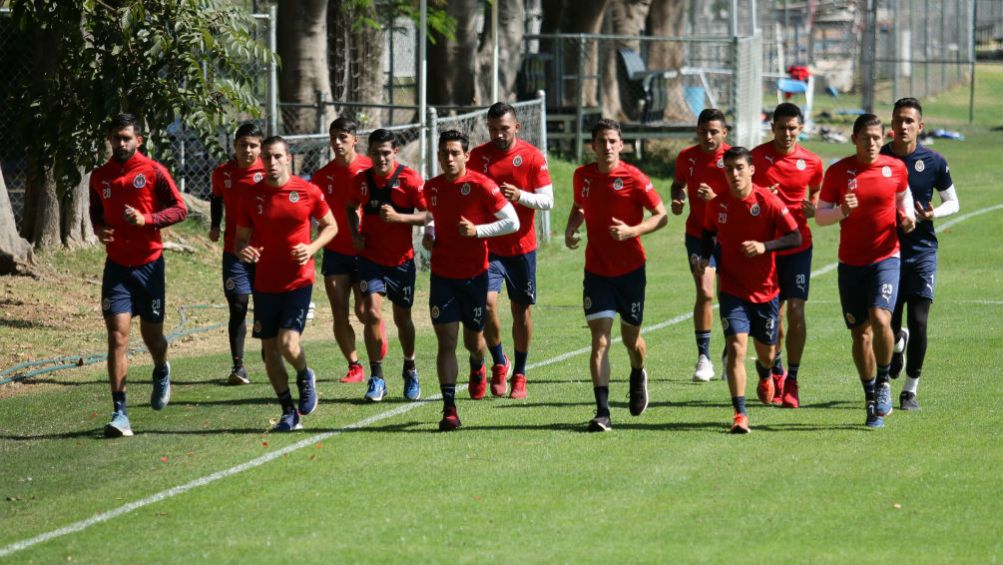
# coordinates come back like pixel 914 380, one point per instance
pixel 478 384
pixel 778 388
pixel 791 399
pixel 450 420
pixel 518 387
pixel 383 332
pixel 499 374
pixel 765 390
pixel 356 374
pixel 740 425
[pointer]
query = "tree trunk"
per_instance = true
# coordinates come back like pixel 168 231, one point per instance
pixel 511 28
pixel 302 45
pixel 355 52
pixel 668 17
pixel 452 76
pixel 626 17
pixel 77 228
pixel 584 16
pixel 16 256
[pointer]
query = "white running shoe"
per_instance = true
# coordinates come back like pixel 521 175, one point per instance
pixel 704 370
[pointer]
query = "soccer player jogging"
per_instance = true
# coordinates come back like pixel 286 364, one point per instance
pixel 795 175
pixel 230 182
pixel 132 198
pixel 751 223
pixel 273 232
pixel 610 197
pixel 521 172
pixel 465 208
pixel 928 170
pixel 340 267
pixel 864 193
pixel 699 178
pixel 390 195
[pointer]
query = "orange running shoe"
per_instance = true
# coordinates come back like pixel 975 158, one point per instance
pixel 518 387
pixel 356 374
pixel 499 374
pixel 450 420
pixel 740 424
pixel 791 399
pixel 478 384
pixel 778 388
pixel 765 390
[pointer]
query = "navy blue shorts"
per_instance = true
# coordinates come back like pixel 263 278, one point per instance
pixel 794 274
pixel 519 274
pixel 872 286
pixel 238 277
pixel 134 290
pixel 274 311
pixel 458 300
pixel 604 297
pixel 918 278
pixel 694 250
pixel 340 264
pixel 396 283
pixel 743 317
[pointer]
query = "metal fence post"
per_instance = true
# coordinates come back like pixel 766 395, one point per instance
pixel 545 216
pixel 273 72
pixel 431 144
pixel 580 110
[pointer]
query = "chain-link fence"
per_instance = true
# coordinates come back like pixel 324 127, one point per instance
pixel 15 59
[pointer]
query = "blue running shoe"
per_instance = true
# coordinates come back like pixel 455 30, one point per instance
pixel 288 422
pixel 883 403
pixel 377 389
pixel 308 392
pixel 873 420
pixel 119 425
pixel 161 394
pixel 412 390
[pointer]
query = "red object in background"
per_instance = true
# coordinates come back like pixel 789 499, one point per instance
pixel 796 72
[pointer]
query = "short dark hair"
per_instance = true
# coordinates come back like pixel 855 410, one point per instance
pixel 454 135
pixel 865 121
pixel 606 124
pixel 275 140
pixel 908 102
pixel 122 121
pixel 248 129
pixel 499 109
pixel 788 110
pixel 344 124
pixel 711 115
pixel 381 136
pixel 738 152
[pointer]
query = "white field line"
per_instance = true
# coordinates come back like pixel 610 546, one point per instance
pixel 312 440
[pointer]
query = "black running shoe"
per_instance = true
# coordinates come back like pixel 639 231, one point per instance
pixel 639 393
pixel 907 401
pixel 600 424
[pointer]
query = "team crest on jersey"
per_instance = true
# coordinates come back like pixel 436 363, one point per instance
pixel 363 286
pixel 617 184
pixel 919 166
pixel 720 163
pixel 517 161
pixel 294 197
pixel 397 183
pixel 754 210
pixel 851 184
pixel 801 165
pixel 257 177
pixel 886 171
pixel 587 302
pixel 722 217
pixel 227 183
pixel 435 312
pixel 465 189
pixel 139 181
pixel 106 304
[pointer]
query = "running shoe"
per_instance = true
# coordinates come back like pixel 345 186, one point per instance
pixel 907 401
pixel 883 401
pixel 238 376
pixel 898 354
pixel 412 390
pixel 791 399
pixel 478 384
pixel 765 390
pixel 377 389
pixel 778 388
pixel 119 425
pixel 638 393
pixel 356 374
pixel 873 420
pixel 704 370
pixel 450 420
pixel 499 374
pixel 383 333
pixel 600 424
pixel 161 393
pixel 288 422
pixel 740 424
pixel 518 390
pixel 308 392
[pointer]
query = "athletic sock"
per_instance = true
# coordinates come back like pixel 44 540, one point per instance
pixel 738 403
pixel 792 371
pixel 703 343
pixel 286 400
pixel 160 371
pixel 354 364
pixel 475 364
pixel 301 375
pixel 448 395
pixel 778 364
pixel 636 373
pixel 238 362
pixel 497 354
pixel 602 400
pixel 911 385
pixel 376 369
pixel 520 362
pixel 409 364
pixel 763 372
pixel 118 401
pixel 870 390
pixel 882 377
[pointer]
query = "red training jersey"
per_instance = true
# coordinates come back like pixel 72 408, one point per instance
pixel 337 183
pixel 230 182
pixel 474 197
pixel 525 167
pixel 279 218
pixel 145 185
pixel 868 234
pixel 792 174
pixel 623 193
pixel 388 244
pixel 693 166
pixel 760 216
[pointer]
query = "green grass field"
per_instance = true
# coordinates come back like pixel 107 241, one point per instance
pixel 202 481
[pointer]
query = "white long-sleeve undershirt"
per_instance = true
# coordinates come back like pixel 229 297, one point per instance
pixel 949 203
pixel 507 222
pixel 540 199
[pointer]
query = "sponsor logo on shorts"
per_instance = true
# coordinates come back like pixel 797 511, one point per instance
pixel 617 184
pixel 363 286
pixel 257 326
pixel 435 312
pixel 588 302
pixel 155 307
pixel 754 210
pixel 517 162
pixel 139 181
pixel 229 284
pixel 801 165
pixel 919 166
pixel 886 291
pixel 694 258
pixel 294 197
pixel 724 323
pixel 465 189
pixel 771 323
pixel 257 177
pixel 850 318
pixel 106 304
pixel 886 171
